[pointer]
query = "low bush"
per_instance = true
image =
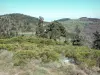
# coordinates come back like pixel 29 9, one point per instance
pixel 48 50
pixel 19 39
pixel 23 56
pixel 33 40
pixel 49 56
pixel 9 47
pixel 83 55
pixel 4 41
pixel 41 41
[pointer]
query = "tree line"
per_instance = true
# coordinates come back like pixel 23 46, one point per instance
pixel 55 30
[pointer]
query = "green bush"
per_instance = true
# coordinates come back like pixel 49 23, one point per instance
pixel 83 55
pixel 47 42
pixel 69 51
pixel 28 46
pixel 4 41
pixel 23 56
pixel 9 47
pixel 48 50
pixel 32 40
pixel 19 39
pixel 49 56
pixel 41 41
pixel 96 56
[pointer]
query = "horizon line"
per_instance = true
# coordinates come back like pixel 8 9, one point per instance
pixel 48 17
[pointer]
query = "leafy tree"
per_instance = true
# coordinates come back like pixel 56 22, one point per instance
pixel 55 30
pixel 96 42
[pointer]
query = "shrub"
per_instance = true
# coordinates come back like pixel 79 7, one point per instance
pixel 33 40
pixel 96 56
pixel 82 55
pixel 49 55
pixel 5 41
pixel 47 42
pixel 8 46
pixel 19 39
pixel 28 46
pixel 23 56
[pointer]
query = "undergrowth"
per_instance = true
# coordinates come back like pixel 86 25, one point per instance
pixel 46 50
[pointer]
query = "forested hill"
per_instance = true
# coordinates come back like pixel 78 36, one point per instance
pixel 19 21
pixel 82 22
pixel 25 23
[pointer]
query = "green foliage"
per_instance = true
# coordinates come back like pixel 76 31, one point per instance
pixel 27 48
pixel 49 55
pixel 41 41
pixel 9 47
pixel 83 55
pixel 4 41
pixel 19 39
pixel 55 30
pixel 21 57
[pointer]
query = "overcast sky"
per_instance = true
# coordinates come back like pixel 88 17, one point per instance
pixel 52 9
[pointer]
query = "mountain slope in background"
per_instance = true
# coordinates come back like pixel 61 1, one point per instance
pixel 63 19
pixel 70 24
pixel 25 23
pixel 88 32
pixel 20 21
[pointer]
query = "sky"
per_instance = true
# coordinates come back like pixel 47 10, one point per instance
pixel 52 9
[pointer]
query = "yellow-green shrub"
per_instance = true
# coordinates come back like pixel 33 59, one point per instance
pixel 8 46
pixel 41 41
pixel 28 46
pixel 21 57
pixel 82 54
pixel 19 39
pixel 49 55
pixel 4 41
